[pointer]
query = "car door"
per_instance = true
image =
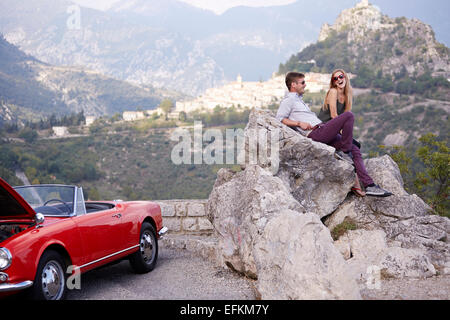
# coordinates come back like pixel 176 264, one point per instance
pixel 129 225
pixel 100 233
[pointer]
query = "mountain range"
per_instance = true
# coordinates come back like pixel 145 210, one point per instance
pixel 31 89
pixel 167 43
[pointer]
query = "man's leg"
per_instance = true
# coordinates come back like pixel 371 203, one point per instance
pixel 327 132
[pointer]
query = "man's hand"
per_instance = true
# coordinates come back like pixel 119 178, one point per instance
pixel 292 123
pixel 304 125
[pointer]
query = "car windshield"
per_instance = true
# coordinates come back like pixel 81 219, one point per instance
pixel 55 200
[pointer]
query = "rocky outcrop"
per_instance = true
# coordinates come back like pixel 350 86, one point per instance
pixel 240 206
pixel 408 43
pixel 365 250
pixel 267 235
pixel 274 218
pixel 362 18
pixel 315 178
pixel 405 220
pixel 268 215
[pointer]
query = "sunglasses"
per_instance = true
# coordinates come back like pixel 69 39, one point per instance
pixel 341 76
pixel 302 83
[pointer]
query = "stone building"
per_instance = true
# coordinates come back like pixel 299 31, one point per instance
pixel 133 115
pixel 60 131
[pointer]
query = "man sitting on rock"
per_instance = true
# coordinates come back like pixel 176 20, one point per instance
pixel 294 113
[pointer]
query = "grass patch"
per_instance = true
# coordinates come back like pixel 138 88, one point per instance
pixel 342 228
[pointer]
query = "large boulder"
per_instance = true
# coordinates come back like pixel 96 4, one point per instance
pixel 368 250
pixel 406 222
pixel 239 207
pixel 274 219
pixel 267 235
pixel 296 259
pixel 309 169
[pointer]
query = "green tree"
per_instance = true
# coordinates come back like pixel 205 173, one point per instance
pixel 92 194
pixel 28 134
pixel 182 116
pixel 434 181
pixel 166 105
pixel 399 155
pixel 31 173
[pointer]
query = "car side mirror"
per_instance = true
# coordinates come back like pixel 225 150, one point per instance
pixel 39 219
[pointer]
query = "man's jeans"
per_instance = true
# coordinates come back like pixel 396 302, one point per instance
pixel 329 133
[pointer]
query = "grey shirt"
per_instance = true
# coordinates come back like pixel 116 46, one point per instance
pixel 294 108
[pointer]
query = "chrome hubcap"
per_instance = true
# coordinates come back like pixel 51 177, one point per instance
pixel 52 280
pixel 147 247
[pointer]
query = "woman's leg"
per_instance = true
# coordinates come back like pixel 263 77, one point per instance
pixel 360 167
pixel 358 161
pixel 357 188
pixel 327 132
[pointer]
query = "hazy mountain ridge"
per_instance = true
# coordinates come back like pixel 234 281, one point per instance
pixel 165 44
pixel 30 89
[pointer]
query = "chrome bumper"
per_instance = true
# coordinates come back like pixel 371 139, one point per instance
pixel 162 231
pixel 7 287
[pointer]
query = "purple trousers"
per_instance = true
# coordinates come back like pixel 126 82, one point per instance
pixel 329 133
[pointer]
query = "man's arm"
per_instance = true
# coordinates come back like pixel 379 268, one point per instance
pixel 284 112
pixel 292 123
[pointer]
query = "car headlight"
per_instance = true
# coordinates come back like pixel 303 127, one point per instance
pixel 5 258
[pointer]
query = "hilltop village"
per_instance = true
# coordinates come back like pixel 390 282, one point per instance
pixel 237 93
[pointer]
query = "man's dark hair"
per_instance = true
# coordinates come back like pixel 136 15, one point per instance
pixel 292 77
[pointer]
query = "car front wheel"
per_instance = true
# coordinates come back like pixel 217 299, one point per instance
pixel 50 281
pixel 144 260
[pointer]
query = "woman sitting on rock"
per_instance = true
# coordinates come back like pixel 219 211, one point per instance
pixel 339 96
pixel 337 101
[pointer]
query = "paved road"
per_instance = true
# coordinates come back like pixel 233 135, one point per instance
pixel 179 274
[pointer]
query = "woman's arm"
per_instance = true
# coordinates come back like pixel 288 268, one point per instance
pixel 331 101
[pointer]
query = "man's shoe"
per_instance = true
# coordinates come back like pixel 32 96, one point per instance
pixel 377 191
pixel 341 155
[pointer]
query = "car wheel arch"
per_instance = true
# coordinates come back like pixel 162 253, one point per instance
pixel 151 221
pixel 58 248
pixel 54 259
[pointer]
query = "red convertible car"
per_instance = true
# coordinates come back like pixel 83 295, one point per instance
pixel 48 234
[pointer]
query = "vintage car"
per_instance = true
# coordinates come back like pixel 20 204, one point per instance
pixel 49 235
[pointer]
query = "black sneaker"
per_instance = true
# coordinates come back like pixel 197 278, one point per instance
pixel 346 156
pixel 377 191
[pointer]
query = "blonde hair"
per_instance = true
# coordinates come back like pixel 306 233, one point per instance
pixel 348 90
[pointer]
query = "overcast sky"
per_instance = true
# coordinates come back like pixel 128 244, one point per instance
pixel 432 12
pixel 218 6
